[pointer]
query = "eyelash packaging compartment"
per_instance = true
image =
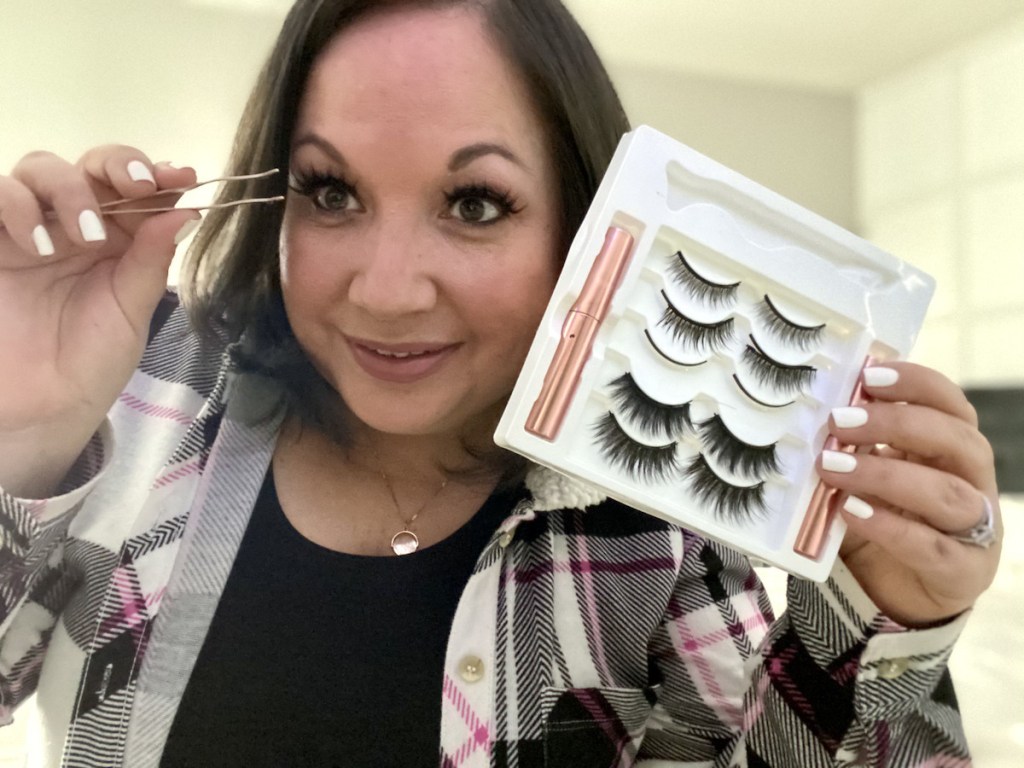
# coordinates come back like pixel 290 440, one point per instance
pixel 701 331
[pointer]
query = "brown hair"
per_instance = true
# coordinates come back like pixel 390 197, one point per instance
pixel 231 282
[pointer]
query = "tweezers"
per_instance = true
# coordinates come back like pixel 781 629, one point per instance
pixel 113 207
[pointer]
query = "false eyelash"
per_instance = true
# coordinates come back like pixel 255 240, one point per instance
pixel 715 294
pixel 738 503
pixel 738 455
pixel 672 360
pixel 801 336
pixel 703 337
pixel 643 462
pixel 652 416
pixel 750 395
pixel 787 379
pixel 309 182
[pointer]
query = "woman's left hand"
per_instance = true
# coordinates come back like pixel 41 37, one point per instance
pixel 926 480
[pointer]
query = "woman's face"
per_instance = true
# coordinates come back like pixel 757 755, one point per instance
pixel 420 237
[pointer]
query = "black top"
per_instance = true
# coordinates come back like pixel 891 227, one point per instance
pixel 320 658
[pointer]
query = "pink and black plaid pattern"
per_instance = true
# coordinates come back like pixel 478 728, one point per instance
pixel 673 654
pixel 607 637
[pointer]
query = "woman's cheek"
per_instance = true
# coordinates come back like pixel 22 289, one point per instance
pixel 305 269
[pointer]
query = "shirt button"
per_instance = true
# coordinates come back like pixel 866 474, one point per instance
pixel 890 669
pixel 505 539
pixel 471 669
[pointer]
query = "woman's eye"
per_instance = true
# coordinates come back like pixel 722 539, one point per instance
pixel 327 193
pixel 480 204
pixel 476 210
pixel 333 198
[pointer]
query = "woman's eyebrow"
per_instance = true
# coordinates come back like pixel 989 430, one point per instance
pixel 312 139
pixel 459 159
pixel 464 156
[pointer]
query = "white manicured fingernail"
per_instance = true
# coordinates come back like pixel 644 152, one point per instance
pixel 858 507
pixel 189 227
pixel 837 461
pixel 91 226
pixel 880 377
pixel 848 418
pixel 42 241
pixel 139 171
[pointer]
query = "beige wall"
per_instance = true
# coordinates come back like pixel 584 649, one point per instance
pixel 941 171
pixel 165 76
pixel 171 78
pixel 941 163
pixel 799 143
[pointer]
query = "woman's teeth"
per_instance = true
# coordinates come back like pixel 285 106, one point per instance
pixel 399 355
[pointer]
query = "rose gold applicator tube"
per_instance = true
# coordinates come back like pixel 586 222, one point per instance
pixel 810 540
pixel 578 332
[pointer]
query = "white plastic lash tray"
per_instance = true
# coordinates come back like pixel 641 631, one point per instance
pixel 699 334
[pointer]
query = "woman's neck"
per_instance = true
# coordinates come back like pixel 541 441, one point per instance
pixel 355 498
pixel 406 458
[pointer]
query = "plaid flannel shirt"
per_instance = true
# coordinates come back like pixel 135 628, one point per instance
pixel 588 635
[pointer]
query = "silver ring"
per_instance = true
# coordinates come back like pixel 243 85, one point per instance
pixel 982 533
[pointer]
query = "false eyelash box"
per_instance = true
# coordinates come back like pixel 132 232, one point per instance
pixel 692 375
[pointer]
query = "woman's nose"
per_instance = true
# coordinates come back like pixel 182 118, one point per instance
pixel 392 274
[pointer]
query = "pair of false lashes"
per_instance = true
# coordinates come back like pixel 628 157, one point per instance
pixel 780 377
pixel 657 463
pixel 717 295
pixel 714 337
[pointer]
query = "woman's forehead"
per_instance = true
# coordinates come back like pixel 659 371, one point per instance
pixel 416 45
pixel 412 72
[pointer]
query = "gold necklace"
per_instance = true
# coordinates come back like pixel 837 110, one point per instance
pixel 405 542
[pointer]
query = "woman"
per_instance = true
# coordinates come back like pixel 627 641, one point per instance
pixel 200 527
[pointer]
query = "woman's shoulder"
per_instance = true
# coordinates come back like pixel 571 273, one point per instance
pixel 177 352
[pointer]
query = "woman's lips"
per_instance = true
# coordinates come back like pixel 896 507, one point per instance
pixel 399 363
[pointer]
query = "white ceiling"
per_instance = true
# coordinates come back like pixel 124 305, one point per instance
pixel 826 44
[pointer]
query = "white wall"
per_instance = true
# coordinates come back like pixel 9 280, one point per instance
pixel 797 142
pixel 941 184
pixel 171 78
pixel 163 75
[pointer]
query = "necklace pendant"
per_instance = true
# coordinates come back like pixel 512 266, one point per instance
pixel 404 542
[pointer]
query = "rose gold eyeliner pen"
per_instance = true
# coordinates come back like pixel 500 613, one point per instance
pixel 810 540
pixel 578 332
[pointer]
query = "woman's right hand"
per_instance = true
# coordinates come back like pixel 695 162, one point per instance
pixel 77 292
